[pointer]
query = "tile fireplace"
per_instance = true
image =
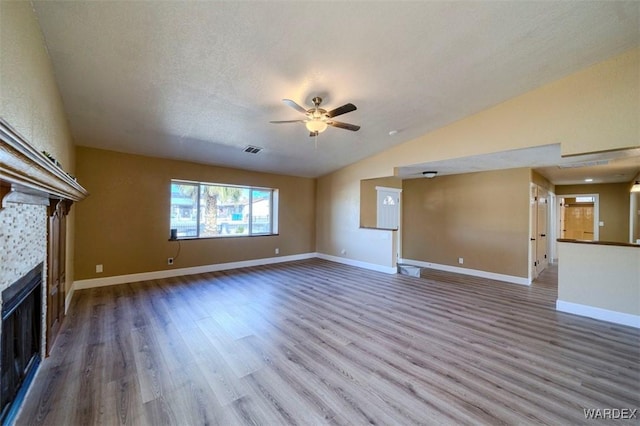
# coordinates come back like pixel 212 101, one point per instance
pixel 20 339
pixel 35 197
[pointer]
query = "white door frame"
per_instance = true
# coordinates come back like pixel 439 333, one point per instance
pixel 553 244
pixel 634 207
pixel 542 261
pixel 532 234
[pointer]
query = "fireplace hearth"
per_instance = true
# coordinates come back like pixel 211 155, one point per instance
pixel 20 341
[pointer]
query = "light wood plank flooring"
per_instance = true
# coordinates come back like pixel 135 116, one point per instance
pixel 315 342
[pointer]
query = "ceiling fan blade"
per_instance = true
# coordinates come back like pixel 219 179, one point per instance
pixel 341 110
pixel 294 105
pixel 287 121
pixel 342 125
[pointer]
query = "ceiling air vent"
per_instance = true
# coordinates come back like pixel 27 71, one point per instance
pixel 252 149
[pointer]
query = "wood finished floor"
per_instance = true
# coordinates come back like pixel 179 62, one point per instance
pixel 315 342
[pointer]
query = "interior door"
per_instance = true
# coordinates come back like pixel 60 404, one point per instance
pixel 542 230
pixel 388 209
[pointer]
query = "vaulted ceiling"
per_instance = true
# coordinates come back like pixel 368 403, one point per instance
pixel 200 81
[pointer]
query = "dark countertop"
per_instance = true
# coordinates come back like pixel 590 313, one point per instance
pixel 599 243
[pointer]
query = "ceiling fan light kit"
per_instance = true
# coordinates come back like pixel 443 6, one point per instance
pixel 318 119
pixel 316 125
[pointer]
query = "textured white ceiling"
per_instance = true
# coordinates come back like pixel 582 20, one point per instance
pixel 201 80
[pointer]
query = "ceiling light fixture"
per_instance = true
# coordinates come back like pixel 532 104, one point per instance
pixel 430 174
pixel 318 119
pixel 588 180
pixel 636 186
pixel 316 125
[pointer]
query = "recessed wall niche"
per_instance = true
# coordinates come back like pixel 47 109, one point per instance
pixel 368 198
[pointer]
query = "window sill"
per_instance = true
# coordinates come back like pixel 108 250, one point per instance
pixel 379 229
pixel 223 237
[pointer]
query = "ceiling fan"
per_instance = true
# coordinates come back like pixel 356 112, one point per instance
pixel 318 118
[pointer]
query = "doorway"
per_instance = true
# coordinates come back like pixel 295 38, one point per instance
pixel 388 209
pixel 538 230
pixel 578 217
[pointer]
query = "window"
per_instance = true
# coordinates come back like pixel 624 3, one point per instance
pixel 585 199
pixel 204 210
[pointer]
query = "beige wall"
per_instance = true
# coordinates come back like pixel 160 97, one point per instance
pixel 481 217
pixel 124 225
pixel 596 109
pixel 614 207
pixel 542 181
pixel 338 231
pixel 587 273
pixel 31 103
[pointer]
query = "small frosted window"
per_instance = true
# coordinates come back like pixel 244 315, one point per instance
pixel 389 201
pixel 585 200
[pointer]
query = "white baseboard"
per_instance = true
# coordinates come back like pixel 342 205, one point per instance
pixel 358 263
pixel 168 273
pixel 598 313
pixel 154 275
pixel 466 271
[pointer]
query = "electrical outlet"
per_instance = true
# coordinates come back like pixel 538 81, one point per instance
pixel 98 269
pixel 460 260
pixel 170 261
pixel 277 251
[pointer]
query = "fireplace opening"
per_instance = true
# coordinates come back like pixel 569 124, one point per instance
pixel 20 340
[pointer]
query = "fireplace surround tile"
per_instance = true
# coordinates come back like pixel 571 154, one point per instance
pixel 23 240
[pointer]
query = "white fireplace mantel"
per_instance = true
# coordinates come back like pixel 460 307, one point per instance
pixel 27 174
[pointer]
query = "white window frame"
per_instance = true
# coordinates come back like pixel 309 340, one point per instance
pixel 273 209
